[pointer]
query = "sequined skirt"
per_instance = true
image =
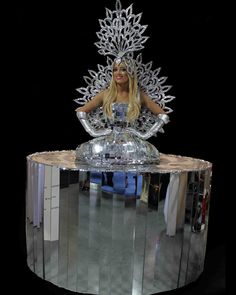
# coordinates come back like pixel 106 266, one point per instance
pixel 117 148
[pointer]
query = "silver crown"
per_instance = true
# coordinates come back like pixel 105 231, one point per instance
pixel 120 36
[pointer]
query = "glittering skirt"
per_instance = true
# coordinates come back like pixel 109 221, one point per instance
pixel 119 148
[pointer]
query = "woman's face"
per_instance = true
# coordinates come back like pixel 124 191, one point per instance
pixel 120 74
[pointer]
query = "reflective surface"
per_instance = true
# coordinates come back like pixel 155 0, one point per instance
pixel 168 163
pixel 120 147
pixel 116 232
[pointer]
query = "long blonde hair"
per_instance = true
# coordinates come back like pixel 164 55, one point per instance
pixel 134 101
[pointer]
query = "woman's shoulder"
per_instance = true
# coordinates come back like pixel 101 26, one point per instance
pixel 100 95
pixel 103 93
pixel 141 91
pixel 141 95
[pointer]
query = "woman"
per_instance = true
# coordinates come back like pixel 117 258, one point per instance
pixel 120 143
pixel 123 89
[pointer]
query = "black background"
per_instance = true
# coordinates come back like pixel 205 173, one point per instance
pixel 52 48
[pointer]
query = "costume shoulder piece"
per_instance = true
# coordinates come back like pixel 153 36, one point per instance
pixel 120 39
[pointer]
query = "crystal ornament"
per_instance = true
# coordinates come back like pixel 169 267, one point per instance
pixel 120 32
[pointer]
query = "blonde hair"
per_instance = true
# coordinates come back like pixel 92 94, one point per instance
pixel 134 103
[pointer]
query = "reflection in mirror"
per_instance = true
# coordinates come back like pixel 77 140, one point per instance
pixel 116 232
pixel 34 217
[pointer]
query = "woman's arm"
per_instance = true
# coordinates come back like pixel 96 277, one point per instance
pixel 81 113
pixel 147 102
pixel 95 102
pixel 161 119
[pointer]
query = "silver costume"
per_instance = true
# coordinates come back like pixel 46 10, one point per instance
pixel 119 141
pixel 120 145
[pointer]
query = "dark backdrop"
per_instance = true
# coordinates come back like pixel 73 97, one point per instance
pixel 53 47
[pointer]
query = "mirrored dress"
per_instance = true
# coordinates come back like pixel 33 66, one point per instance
pixel 120 147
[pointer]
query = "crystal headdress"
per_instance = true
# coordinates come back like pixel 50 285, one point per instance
pixel 120 36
